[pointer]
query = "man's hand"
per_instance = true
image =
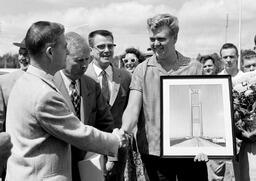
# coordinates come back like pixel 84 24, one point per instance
pixel 122 137
pixel 201 157
pixel 5 148
pixel 249 136
pixel 109 165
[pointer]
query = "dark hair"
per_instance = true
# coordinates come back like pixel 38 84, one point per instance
pixel 215 60
pixel 164 20
pixel 98 32
pixel 40 34
pixel 206 57
pixel 134 51
pixel 228 46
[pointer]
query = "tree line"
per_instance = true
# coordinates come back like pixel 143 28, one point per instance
pixel 9 60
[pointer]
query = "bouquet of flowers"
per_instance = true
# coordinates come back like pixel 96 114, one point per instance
pixel 244 102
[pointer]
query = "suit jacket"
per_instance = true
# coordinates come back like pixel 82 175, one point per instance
pixel 42 127
pixel 6 83
pixel 95 110
pixel 119 94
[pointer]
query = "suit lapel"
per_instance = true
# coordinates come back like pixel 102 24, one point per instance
pixel 62 88
pixel 91 72
pixel 116 85
pixel 85 106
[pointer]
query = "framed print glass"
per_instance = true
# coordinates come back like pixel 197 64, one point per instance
pixel 197 116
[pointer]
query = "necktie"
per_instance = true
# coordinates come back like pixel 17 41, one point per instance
pixel 75 98
pixel 105 88
pixel 77 154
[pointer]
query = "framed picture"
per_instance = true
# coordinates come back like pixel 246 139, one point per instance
pixel 197 116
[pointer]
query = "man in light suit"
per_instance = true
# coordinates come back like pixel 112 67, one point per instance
pixel 94 110
pixel 102 46
pixel 39 119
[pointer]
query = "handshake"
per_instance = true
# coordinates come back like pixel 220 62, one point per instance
pixel 122 136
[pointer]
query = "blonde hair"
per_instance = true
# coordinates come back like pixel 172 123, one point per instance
pixel 164 20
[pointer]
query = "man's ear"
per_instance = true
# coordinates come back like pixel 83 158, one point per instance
pixel 48 52
pixel 175 38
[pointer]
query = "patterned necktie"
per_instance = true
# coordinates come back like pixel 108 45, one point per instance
pixel 105 88
pixel 75 98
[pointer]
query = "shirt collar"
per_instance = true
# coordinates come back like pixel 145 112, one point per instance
pixel 67 80
pixel 108 70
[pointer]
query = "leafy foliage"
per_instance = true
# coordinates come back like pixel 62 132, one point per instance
pixel 9 61
pixel 244 103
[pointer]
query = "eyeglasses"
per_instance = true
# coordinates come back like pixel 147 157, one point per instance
pixel 250 65
pixel 102 47
pixel 127 60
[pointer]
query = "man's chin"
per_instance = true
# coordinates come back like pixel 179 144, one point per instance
pixel 105 59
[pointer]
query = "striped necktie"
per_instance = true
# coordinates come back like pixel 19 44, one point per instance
pixel 75 98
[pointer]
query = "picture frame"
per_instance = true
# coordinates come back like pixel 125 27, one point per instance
pixel 197 116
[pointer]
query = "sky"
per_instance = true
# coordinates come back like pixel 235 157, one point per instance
pixel 202 22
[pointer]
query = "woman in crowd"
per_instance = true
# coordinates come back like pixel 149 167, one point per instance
pixel 131 58
pixel 211 64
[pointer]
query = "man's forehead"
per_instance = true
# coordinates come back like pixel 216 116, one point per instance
pixel 100 38
pixel 23 50
pixel 250 59
pixel 228 51
pixel 163 28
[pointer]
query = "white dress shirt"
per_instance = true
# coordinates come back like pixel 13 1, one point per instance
pixel 109 73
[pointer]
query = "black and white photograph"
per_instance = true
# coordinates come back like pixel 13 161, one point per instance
pixel 196 116
pixel 113 90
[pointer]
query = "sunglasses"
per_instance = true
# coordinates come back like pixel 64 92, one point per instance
pixel 127 60
pixel 102 47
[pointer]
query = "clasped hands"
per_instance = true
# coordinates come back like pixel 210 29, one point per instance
pixel 122 136
pixel 244 134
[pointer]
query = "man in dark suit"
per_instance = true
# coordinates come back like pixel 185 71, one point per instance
pixel 102 50
pixel 8 80
pixel 6 83
pixel 39 119
pixel 114 82
pixel 94 110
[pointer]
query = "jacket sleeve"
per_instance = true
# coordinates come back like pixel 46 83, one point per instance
pixel 54 117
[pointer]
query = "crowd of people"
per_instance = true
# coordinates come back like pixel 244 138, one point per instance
pixel 68 101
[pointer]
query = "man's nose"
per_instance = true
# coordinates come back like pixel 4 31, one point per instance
pixel 157 43
pixel 228 60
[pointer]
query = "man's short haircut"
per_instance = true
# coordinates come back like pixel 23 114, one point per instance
pixel 40 34
pixel 75 42
pixel 98 32
pixel 247 55
pixel 164 20
pixel 228 46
